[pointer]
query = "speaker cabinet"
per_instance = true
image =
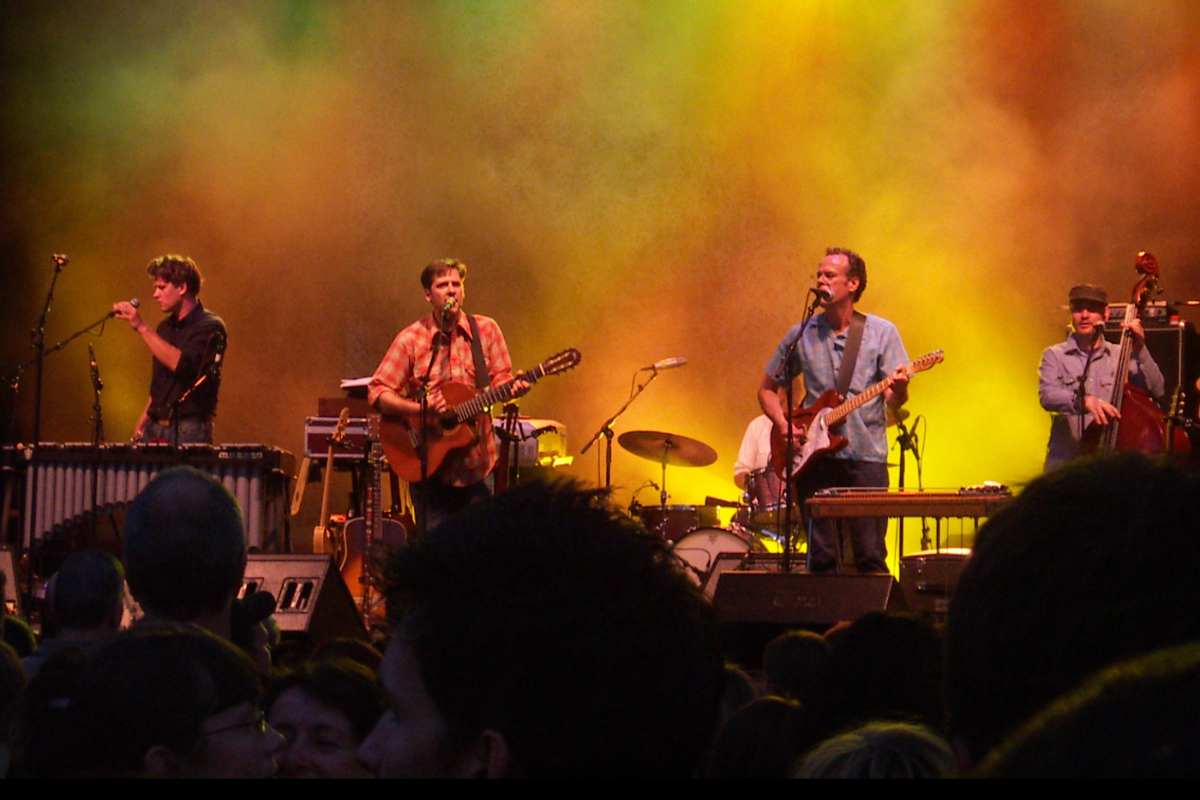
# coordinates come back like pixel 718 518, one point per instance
pixel 310 595
pixel 1176 350
pixel 798 598
pixel 928 579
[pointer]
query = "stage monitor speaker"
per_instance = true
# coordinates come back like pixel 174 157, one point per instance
pixel 12 595
pixel 928 579
pixel 798 598
pixel 728 562
pixel 310 595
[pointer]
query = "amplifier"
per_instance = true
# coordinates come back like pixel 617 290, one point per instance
pixel 1176 350
pixel 317 431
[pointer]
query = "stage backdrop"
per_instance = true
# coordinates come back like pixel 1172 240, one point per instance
pixel 635 179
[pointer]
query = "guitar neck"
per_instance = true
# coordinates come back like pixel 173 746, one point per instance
pixel 840 412
pixel 494 394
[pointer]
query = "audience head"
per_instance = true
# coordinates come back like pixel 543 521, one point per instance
pixel 762 740
pixel 880 750
pixel 1090 564
pixel 542 632
pixel 18 635
pixel 172 702
pixel 1134 720
pixel 324 710
pixel 886 666
pixel 737 692
pixel 184 548
pixel 797 665
pixel 12 683
pixel 87 593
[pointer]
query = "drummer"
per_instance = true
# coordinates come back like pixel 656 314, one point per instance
pixel 755 451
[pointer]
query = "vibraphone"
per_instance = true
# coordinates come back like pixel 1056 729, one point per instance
pixel 257 475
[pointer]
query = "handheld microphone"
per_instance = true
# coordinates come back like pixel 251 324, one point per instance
pixel 133 301
pixel 667 363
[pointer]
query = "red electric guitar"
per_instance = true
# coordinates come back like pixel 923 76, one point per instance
pixel 816 422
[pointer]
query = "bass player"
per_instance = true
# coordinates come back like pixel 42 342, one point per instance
pixel 441 347
pixel 841 281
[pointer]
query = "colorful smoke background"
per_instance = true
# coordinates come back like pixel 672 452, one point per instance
pixel 635 179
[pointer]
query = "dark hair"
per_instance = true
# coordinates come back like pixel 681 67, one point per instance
pixel 1090 564
pixel 177 270
pixel 796 664
pixel 146 687
pixel 1133 720
pixel 856 269
pixel 185 550
pixel 549 617
pixel 435 269
pixel 348 647
pixel 17 633
pixel 339 684
pixel 761 740
pixel 87 589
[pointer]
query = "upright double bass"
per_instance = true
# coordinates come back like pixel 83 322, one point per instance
pixel 1141 425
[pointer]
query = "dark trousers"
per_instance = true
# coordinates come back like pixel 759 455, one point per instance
pixel 192 430
pixel 436 501
pixel 866 534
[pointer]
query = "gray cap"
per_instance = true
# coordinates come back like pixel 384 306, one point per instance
pixel 1088 293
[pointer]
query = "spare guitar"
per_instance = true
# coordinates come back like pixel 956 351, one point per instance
pixel 816 422
pixel 454 428
pixel 322 534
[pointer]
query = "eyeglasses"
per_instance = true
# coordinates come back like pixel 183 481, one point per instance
pixel 258 722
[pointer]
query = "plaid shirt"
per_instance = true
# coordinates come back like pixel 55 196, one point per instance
pixel 407 359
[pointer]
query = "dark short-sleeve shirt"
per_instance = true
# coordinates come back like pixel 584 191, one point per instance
pixel 195 336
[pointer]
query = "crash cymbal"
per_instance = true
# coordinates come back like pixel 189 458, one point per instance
pixel 669 448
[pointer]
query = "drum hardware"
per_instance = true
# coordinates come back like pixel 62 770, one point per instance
pixel 664 449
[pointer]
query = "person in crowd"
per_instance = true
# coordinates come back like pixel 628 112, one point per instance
pixel 542 632
pixel 880 750
pixel 761 740
pixel 1092 563
pixel 324 710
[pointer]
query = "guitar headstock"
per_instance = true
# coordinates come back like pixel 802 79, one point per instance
pixel 338 436
pixel 560 362
pixel 927 361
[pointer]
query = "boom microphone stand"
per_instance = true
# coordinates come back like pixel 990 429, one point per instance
pixel 789 447
pixel 606 430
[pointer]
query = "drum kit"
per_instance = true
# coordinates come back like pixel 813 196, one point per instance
pixel 694 531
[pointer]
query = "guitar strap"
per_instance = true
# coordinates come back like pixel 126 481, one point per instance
pixel 850 354
pixel 483 378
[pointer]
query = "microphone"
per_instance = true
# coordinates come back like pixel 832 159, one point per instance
pixel 60 260
pixel 822 294
pixel 667 363
pixel 133 301
pixel 448 309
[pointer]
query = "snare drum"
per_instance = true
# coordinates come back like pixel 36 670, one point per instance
pixel 698 550
pixel 673 522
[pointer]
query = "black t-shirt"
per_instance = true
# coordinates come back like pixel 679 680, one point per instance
pixel 196 336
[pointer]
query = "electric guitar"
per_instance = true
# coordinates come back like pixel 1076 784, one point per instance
pixel 829 411
pixel 453 428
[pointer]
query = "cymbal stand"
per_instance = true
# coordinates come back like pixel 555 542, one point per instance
pixel 606 431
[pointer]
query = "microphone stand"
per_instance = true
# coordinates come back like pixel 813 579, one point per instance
pixel 606 430
pixel 211 370
pixel 789 447
pixel 1087 366
pixel 97 437
pixel 422 442
pixel 908 442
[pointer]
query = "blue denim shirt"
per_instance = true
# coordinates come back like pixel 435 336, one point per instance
pixel 1058 389
pixel 820 357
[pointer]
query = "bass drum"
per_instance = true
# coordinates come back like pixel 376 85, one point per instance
pixel 699 548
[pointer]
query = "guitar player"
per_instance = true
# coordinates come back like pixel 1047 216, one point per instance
pixel 460 340
pixel 841 280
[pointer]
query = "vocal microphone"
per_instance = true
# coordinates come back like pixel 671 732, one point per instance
pixel 822 294
pixel 448 309
pixel 60 260
pixel 133 301
pixel 667 363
